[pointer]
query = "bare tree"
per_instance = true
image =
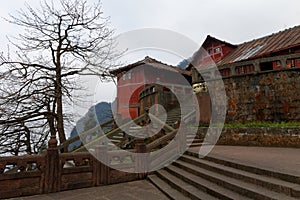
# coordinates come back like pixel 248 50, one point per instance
pixel 59 43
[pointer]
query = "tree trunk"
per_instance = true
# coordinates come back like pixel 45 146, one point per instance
pixel 58 95
pixel 28 142
pixel 59 108
pixel 60 120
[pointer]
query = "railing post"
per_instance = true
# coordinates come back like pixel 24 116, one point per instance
pixel 100 168
pixel 52 167
pixel 141 158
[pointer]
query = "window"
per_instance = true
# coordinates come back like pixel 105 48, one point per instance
pixel 278 63
pixel 245 69
pixel 225 72
pixel 290 63
pixel 239 70
pixel 209 51
pixel 152 89
pixel 126 76
pixel 218 50
pixel 266 66
pixel 248 69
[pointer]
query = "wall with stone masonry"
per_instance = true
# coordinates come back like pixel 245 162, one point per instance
pixel 264 96
pixel 257 136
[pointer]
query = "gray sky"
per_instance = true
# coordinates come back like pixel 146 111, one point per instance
pixel 234 21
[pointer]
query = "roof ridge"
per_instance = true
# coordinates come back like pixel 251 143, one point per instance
pixel 147 60
pixel 152 60
pixel 223 41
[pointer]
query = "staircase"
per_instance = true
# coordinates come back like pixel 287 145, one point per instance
pixel 173 117
pixel 213 178
pixel 194 142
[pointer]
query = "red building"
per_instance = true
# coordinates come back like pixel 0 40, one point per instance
pixel 133 78
pixel 277 51
pixel 272 52
pixel 250 74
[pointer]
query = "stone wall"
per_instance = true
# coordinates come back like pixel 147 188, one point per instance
pixel 264 96
pixel 259 136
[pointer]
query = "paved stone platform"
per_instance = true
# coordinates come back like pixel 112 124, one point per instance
pixel 283 160
pixel 135 190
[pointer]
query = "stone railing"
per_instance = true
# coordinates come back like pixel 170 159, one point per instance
pixel 53 172
pixel 98 130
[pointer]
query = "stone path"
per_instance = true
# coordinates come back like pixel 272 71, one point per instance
pixel 284 160
pixel 135 190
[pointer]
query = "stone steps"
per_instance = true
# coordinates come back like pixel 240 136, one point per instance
pixel 216 178
pixel 167 189
pixel 172 117
pixel 185 191
pixel 252 169
pixel 175 115
pixel 267 182
pixel 237 185
pixel 194 142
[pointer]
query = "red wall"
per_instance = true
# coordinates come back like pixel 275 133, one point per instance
pixel 130 88
pixel 211 47
pixel 128 91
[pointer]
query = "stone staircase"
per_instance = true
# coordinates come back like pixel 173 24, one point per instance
pixel 195 142
pixel 173 116
pixel 213 178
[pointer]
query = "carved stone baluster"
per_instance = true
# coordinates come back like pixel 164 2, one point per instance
pixel 142 158
pixel 101 169
pixel 52 172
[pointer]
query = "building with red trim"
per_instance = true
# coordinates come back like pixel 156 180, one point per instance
pixel 134 78
pixel 277 51
pixel 250 61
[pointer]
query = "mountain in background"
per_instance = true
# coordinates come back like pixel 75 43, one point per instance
pixel 184 63
pixel 96 115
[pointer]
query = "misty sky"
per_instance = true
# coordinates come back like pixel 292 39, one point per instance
pixel 232 20
pixel 235 21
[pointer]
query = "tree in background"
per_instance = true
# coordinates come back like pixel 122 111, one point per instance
pixel 60 42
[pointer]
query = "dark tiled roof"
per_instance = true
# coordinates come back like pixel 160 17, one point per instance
pixel 264 46
pixel 153 63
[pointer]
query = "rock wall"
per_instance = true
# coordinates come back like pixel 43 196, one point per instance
pixel 259 136
pixel 265 96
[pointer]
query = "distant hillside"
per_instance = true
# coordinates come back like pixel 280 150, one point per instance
pixel 184 63
pixel 96 115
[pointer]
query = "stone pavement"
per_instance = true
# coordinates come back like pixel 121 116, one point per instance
pixel 135 190
pixel 284 160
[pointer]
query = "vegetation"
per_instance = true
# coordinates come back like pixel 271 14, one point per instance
pixel 263 124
